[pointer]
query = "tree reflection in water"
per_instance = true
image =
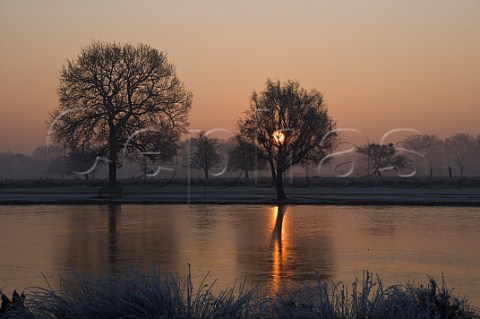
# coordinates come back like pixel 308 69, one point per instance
pixel 113 210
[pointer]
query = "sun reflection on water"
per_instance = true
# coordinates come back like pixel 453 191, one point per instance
pixel 280 251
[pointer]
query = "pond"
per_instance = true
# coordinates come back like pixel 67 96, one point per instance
pixel 271 246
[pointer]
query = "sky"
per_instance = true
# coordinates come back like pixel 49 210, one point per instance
pixel 381 64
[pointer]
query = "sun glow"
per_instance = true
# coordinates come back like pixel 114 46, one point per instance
pixel 278 137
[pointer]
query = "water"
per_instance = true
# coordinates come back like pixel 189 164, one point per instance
pixel 251 243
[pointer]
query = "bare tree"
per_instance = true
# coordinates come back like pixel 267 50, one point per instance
pixel 83 162
pixel 164 143
pixel 476 155
pixel 289 124
pixel 15 165
pixel 431 147
pixel 459 147
pixel 383 157
pixel 110 92
pixel 42 157
pixel 206 154
pixel 242 156
pixel 58 166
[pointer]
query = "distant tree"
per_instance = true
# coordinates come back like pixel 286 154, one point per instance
pixel 459 148
pixel 110 92
pixel 42 156
pixel 46 152
pixel 15 165
pixel 84 162
pixel 5 164
pixel 205 154
pixel 145 166
pixel 476 155
pixel 288 124
pixel 431 147
pixel 242 156
pixel 164 143
pixel 383 157
pixel 58 166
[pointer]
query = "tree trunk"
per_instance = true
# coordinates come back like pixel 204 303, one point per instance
pixel 246 174
pixel 277 181
pixel 112 164
pixel 205 170
pixel 279 186
pixel 112 173
pixel 272 170
pixel 462 168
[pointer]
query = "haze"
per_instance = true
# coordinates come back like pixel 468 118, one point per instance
pixel 381 64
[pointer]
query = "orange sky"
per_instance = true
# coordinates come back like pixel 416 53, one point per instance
pixel 381 64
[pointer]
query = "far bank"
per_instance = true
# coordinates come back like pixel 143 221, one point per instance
pixel 321 191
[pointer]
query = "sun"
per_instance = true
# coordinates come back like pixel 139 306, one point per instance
pixel 278 137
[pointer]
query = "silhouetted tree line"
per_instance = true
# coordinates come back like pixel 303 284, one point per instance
pixel 45 162
pixel 423 155
pixel 122 106
pixel 426 155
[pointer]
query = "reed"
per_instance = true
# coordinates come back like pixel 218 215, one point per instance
pixel 139 295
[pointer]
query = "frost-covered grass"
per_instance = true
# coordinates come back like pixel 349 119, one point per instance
pixel 369 299
pixel 138 295
pixel 262 181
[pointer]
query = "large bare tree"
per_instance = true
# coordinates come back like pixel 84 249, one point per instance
pixel 109 93
pixel 289 124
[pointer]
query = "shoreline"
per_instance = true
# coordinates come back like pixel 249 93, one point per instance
pixel 245 195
